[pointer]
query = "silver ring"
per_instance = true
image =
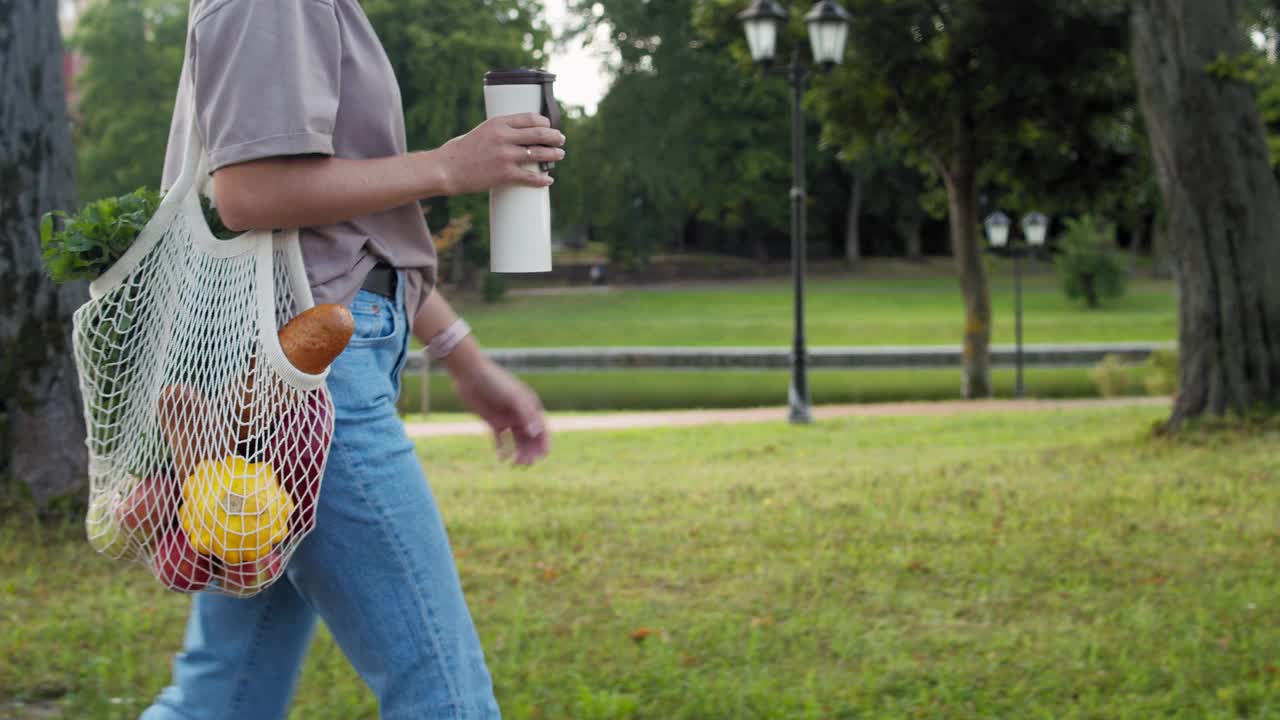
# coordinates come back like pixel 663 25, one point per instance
pixel 529 151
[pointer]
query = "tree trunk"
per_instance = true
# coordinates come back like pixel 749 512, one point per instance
pixel 1160 265
pixel 852 230
pixel 915 241
pixel 962 200
pixel 1090 290
pixel 44 440
pixel 1224 205
pixel 1136 240
pixel 755 239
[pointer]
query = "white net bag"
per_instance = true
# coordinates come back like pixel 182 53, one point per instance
pixel 208 419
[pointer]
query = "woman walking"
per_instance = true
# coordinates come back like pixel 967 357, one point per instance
pixel 299 112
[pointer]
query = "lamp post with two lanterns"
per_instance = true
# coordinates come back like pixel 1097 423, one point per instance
pixel 1035 228
pixel 828 25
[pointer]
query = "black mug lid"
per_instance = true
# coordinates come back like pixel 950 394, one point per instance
pixel 518 77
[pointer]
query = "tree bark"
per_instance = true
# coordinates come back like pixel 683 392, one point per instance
pixel 961 179
pixel 1224 205
pixel 44 440
pixel 1136 240
pixel 1160 265
pixel 853 220
pixel 915 241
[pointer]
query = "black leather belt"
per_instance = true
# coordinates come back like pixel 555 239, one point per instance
pixel 381 280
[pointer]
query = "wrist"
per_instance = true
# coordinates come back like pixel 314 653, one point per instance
pixel 466 359
pixel 436 180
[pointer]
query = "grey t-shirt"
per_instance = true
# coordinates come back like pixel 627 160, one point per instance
pixel 304 77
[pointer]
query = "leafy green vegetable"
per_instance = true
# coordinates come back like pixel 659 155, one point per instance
pixel 84 245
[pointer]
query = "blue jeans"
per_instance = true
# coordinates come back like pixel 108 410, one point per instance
pixel 377 569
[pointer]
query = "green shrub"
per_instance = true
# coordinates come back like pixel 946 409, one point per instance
pixel 1090 268
pixel 494 288
pixel 1161 376
pixel 1111 376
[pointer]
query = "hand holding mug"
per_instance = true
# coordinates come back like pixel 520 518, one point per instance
pixel 501 151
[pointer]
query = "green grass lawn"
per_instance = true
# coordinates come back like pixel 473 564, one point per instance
pixel 658 390
pixel 1061 565
pixel 850 310
pixel 901 304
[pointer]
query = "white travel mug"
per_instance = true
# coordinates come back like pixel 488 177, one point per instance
pixel 520 217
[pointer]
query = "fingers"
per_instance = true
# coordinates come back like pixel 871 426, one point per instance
pixel 529 178
pixel 505 446
pixel 522 447
pixel 532 438
pixel 537 136
pixel 531 448
pixel 543 154
pixel 525 120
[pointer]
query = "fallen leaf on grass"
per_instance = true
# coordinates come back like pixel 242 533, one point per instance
pixel 1156 579
pixel 918 566
pixel 764 621
pixel 640 634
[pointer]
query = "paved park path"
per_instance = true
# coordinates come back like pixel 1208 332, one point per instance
pixel 694 418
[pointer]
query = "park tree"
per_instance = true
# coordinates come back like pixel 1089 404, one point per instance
pixel 42 444
pixel 975 92
pixel 1223 202
pixel 658 128
pixel 885 187
pixel 440 51
pixel 133 50
pixel 692 136
pixel 1005 88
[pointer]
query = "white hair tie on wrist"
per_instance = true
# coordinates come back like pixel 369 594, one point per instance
pixel 444 343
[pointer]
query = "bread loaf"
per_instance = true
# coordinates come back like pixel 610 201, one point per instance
pixel 315 338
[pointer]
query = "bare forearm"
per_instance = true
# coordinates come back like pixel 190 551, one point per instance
pixel 295 192
pixel 311 191
pixel 433 318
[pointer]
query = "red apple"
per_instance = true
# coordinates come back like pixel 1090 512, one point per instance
pixel 178 565
pixel 297 453
pixel 252 576
pixel 150 507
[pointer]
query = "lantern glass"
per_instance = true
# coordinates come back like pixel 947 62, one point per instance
pixel 762 38
pixel 1035 227
pixel 762 23
pixel 828 31
pixel 998 229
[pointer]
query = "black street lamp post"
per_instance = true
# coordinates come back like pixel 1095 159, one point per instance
pixel 1035 227
pixel 828 25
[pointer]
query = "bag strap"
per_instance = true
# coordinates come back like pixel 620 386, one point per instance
pixel 195 161
pixel 194 169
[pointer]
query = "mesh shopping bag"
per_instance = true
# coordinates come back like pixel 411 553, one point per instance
pixel 206 444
